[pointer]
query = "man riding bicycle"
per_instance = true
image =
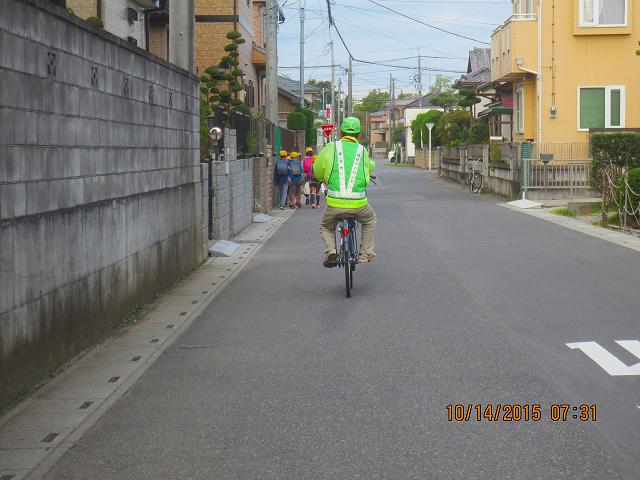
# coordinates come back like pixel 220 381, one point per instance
pixel 346 169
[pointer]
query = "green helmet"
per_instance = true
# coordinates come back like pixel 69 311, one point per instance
pixel 350 125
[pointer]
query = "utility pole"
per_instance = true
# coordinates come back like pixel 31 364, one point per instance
pixel 419 73
pixel 333 88
pixel 390 107
pixel 349 107
pixel 338 116
pixel 301 54
pixel 182 35
pixel 271 104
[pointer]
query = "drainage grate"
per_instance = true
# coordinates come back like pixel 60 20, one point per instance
pixel 182 314
pixel 169 327
pixel 155 340
pixel 50 437
pixel 85 405
pixel 113 379
pixel 136 358
pixel 213 284
pixel 204 292
pixel 194 302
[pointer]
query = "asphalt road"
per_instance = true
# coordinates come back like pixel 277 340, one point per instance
pixel 468 303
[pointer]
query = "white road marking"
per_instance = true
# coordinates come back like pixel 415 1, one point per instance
pixel 609 363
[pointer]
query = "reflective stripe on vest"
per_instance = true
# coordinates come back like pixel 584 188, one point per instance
pixel 346 191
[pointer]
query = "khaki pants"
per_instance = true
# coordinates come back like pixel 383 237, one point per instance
pixel 365 216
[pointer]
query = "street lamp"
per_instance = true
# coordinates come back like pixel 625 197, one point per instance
pixel 430 126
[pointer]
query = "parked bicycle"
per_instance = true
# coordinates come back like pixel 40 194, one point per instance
pixel 474 175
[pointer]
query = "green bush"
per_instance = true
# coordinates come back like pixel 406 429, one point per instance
pixel 634 185
pixel 296 121
pixel 96 21
pixel 420 125
pixel 619 149
pixel 495 154
pixel 477 133
pixel 452 127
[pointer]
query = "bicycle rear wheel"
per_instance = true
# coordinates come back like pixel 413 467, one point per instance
pixel 476 183
pixel 348 276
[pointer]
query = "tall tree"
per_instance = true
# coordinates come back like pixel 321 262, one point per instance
pixel 441 83
pixel 373 102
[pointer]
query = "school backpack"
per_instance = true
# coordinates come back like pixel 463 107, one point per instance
pixel 282 166
pixel 296 169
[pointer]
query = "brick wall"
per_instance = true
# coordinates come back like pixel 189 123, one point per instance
pixel 100 192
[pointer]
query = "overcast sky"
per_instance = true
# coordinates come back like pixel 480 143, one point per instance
pixel 375 34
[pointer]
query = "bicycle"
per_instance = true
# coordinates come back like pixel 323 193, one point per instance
pixel 474 177
pixel 348 249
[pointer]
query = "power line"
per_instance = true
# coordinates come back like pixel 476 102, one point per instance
pixel 428 24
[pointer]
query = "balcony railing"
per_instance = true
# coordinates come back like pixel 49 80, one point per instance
pixel 519 17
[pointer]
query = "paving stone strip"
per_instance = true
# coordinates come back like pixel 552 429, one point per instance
pixel 611 236
pixel 44 426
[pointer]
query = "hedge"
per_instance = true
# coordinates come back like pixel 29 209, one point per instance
pixel 619 149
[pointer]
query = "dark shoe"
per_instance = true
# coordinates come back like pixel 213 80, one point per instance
pixel 281 207
pixel 330 260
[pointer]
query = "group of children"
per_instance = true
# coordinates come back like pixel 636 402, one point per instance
pixel 291 176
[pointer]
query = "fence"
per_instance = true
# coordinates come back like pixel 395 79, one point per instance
pixel 422 158
pixel 562 151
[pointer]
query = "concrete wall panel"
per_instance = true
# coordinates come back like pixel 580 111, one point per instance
pixel 100 196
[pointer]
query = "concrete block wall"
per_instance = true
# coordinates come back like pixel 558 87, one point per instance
pixel 204 198
pixel 263 182
pixel 233 198
pixel 100 185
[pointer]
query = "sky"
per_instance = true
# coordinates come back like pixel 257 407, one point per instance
pixel 373 33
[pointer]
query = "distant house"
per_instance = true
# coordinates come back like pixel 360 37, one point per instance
pixel 289 97
pixel 213 20
pixel 477 77
pixel 123 18
pixel 411 111
pixel 496 106
pixel 378 128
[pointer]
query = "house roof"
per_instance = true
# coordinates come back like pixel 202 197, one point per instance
pixel 478 69
pixel 293 86
pixel 422 102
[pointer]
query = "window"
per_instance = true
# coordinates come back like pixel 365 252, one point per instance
pixel 601 107
pixel 523 7
pixel 603 13
pixel 519 108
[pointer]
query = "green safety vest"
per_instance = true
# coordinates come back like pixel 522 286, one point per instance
pixel 348 179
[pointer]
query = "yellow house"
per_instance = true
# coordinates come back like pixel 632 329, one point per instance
pixel 572 66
